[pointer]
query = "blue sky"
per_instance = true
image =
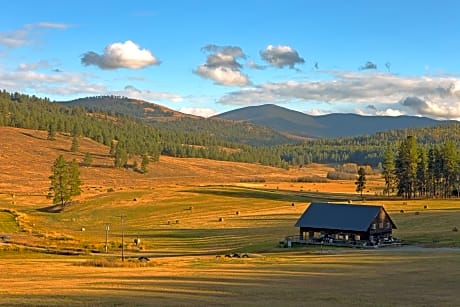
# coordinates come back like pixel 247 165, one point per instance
pixel 206 57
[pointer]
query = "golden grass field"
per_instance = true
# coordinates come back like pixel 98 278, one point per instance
pixel 188 213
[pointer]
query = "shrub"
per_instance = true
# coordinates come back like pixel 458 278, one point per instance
pixel 341 176
pixel 310 179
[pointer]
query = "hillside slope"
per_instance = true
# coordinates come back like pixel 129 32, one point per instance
pixel 324 126
pixel 27 156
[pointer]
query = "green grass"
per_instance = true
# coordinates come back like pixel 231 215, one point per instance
pixel 8 223
pixel 177 221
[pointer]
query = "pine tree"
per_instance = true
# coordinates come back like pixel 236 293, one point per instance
pixel 51 132
pixel 65 181
pixel 88 159
pixel 389 170
pixel 75 146
pixel 121 156
pixel 406 167
pixel 422 172
pixel 144 164
pixel 361 181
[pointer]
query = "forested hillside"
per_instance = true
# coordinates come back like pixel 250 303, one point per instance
pixel 178 123
pixel 202 138
pixel 323 126
pixel 133 136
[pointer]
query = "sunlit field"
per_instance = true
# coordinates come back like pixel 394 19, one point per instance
pixel 188 214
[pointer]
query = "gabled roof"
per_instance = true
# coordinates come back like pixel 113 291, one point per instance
pixel 340 216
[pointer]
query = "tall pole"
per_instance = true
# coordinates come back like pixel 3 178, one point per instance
pixel 107 228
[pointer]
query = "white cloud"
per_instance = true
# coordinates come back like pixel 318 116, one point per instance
pixel 223 75
pixel 147 95
pixel 203 112
pixel 440 95
pixel 253 65
pixel 390 112
pixel 222 66
pixel 120 55
pixel 27 35
pixel 62 84
pixel 33 66
pixel 281 56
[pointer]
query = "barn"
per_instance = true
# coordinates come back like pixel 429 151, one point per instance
pixel 345 223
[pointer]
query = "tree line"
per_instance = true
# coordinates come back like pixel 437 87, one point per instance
pixel 412 170
pixel 202 138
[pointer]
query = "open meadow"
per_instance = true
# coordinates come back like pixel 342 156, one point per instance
pixel 187 215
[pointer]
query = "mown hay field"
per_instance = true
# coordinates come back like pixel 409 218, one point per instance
pixel 190 213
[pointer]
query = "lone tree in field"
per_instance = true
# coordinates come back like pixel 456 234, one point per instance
pixel 144 164
pixel 361 181
pixel 65 181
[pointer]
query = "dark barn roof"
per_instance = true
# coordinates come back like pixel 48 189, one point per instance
pixel 340 216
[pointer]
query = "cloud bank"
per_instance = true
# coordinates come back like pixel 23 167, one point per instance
pixel 427 96
pixel 281 56
pixel 222 66
pixel 27 35
pixel 120 55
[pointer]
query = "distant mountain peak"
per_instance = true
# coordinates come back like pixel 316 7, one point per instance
pixel 323 126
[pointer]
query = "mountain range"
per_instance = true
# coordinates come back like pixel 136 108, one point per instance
pixel 324 126
pixel 279 120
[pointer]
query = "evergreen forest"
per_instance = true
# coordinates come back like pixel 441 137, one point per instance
pixel 205 138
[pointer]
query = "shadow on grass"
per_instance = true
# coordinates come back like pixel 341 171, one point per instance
pixel 52 209
pixel 282 195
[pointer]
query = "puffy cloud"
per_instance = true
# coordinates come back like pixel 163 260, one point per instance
pixel 440 95
pixel 27 34
pixel 203 112
pixel 390 112
pixel 281 56
pixel 120 55
pixel 222 66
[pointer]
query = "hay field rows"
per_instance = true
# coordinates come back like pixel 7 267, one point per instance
pixel 188 211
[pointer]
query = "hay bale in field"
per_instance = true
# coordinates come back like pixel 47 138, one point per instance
pixel 417 213
pixel 221 219
pixel 425 207
pixel 143 259
pixel 177 221
pixel 293 205
pixel 237 212
pixel 401 211
pixel 83 229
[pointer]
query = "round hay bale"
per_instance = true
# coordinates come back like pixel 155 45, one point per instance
pixel 401 211
pixel 177 221
pixel 417 213
pixel 83 229
pixel 221 219
pixel 425 207
pixel 237 212
pixel 293 205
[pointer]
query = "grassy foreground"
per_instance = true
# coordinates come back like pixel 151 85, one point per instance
pixel 187 212
pixel 289 279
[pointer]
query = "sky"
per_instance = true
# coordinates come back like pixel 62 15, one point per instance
pixel 388 57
